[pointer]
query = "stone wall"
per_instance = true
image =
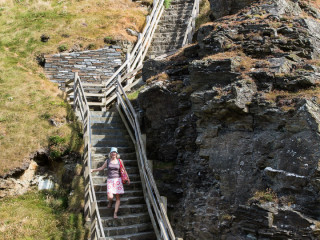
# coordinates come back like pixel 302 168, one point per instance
pixel 93 66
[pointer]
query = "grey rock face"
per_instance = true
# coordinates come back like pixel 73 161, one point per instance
pixel 234 130
pixel 222 8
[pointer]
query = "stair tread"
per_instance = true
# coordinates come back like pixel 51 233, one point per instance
pixel 131 235
pixel 131 215
pixel 124 227
pixel 128 206
pixel 130 175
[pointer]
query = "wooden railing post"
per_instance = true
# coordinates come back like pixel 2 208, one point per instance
pixel 165 202
pixel 129 63
pixel 75 91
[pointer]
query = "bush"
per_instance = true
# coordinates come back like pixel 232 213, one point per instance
pixel 92 46
pixel 56 140
pixel 265 196
pixel 62 48
pixel 167 3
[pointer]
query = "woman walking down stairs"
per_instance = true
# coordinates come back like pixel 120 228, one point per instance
pixel 133 220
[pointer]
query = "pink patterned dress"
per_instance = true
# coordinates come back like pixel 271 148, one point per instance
pixel 114 183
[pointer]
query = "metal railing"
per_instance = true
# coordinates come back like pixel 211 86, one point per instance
pixel 91 207
pixel 152 197
pixel 191 24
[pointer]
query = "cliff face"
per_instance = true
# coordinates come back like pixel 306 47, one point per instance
pixel 232 123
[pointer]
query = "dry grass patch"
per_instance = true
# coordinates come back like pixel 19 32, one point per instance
pixel 158 78
pixel 285 97
pixel 245 62
pixel 204 13
pixel 315 3
pixel 265 196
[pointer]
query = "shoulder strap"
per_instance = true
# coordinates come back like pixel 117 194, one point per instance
pixel 120 162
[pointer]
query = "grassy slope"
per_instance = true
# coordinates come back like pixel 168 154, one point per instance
pixel 27 98
pixel 39 216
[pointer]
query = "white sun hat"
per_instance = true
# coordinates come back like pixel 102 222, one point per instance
pixel 114 149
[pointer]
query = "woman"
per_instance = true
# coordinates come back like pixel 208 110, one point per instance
pixel 114 183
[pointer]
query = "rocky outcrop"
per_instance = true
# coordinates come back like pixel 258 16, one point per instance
pixel 232 123
pixel 40 172
pixel 222 8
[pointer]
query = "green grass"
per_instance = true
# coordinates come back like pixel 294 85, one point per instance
pixel 39 215
pixel 167 3
pixel 135 94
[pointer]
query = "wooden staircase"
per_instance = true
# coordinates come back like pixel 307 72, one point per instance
pixel 133 220
pixel 142 213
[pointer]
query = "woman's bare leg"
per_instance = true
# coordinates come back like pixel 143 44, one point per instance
pixel 110 199
pixel 115 215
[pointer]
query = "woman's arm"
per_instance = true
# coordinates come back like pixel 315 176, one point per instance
pixel 100 168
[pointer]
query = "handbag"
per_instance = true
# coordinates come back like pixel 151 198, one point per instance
pixel 124 175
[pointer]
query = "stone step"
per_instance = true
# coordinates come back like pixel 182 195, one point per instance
pixel 165 48
pixel 173 2
pixel 169 35
pixel 128 193
pixel 179 5
pixel 114 119
pixel 179 17
pixel 125 230
pixel 130 170
pixel 123 137
pixel 177 31
pixel 109 131
pixel 166 41
pixel 124 209
pixel 112 142
pixel 124 201
pixel 124 156
pixel 136 236
pixel 134 185
pixel 115 125
pixel 98 162
pixel 103 202
pixel 169 25
pixel 125 220
pixel 99 179
pixel 104 114
pixel 184 13
pixel 121 150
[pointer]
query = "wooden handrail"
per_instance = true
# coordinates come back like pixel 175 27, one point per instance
pixel 80 102
pixel 136 56
pixel 151 193
pixel 191 24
